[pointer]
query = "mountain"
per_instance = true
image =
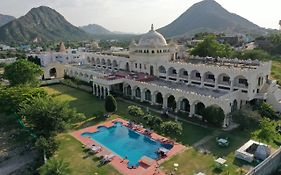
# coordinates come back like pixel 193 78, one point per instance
pixel 4 19
pixel 40 24
pixel 95 29
pixel 209 16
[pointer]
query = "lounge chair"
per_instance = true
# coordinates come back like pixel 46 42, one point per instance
pixel 107 158
pixel 96 149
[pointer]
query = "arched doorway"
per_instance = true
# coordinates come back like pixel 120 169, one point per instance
pixel 128 90
pixel 199 108
pixel 171 102
pixel 53 73
pixel 234 106
pixel 138 92
pixel 127 67
pixel 151 70
pixel 184 105
pixel 147 95
pixel 159 98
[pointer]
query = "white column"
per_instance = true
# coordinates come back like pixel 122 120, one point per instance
pixel 152 99
pixel 178 106
pixel 202 82
pixel 189 79
pixel 178 77
pixel 133 93
pixel 216 83
pixel 165 102
pixel 142 95
pixel 192 110
pixel 104 92
pixel 94 92
pixel 231 85
pixel 167 75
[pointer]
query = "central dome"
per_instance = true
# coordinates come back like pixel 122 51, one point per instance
pixel 152 39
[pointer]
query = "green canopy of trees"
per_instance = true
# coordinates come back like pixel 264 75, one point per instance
pixel 23 72
pixel 10 98
pixel 211 47
pixel 135 111
pixel 47 116
pixel 110 104
pixel 171 128
pixel 267 131
pixel 55 167
pixel 214 115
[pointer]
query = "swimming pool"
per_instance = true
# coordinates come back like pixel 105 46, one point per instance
pixel 126 142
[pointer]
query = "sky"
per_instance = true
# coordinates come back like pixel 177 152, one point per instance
pixel 136 16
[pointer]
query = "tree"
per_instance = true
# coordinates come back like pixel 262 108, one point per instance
pixel 267 111
pixel 267 130
pixel 110 104
pixel 246 117
pixel 135 111
pixel 214 114
pixel 211 47
pixel 23 72
pixel 171 128
pixel 152 121
pixel 55 167
pixel 47 116
pixel 47 146
pixel 10 98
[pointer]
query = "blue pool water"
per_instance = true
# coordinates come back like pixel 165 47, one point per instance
pixel 126 142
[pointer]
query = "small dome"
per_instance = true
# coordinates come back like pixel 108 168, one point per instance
pixel 152 39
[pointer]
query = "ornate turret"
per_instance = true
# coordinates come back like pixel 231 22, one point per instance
pixel 62 48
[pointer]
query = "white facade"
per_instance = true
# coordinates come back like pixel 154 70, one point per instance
pixel 153 73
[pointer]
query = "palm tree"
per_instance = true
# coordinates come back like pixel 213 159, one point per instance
pixel 55 167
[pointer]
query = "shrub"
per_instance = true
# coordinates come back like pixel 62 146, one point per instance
pixel 47 146
pixel 55 167
pixel 214 115
pixel 135 111
pixel 152 121
pixel 267 111
pixel 110 104
pixel 171 128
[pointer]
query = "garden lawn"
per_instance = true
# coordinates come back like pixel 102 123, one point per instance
pixel 82 101
pixel 190 162
pixel 90 105
pixel 71 151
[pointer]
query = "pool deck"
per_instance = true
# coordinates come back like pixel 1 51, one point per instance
pixel 117 161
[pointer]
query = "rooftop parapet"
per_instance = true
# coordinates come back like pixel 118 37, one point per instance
pixel 225 62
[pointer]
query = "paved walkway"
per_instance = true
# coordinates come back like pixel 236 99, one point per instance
pixel 206 139
pixel 17 162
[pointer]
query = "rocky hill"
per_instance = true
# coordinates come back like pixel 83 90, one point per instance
pixel 96 29
pixel 40 24
pixel 4 19
pixel 209 16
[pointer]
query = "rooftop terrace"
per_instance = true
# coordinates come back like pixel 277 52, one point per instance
pixel 224 62
pixel 142 77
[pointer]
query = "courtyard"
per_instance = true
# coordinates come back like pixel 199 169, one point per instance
pixel 201 145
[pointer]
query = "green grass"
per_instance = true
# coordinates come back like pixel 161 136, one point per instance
pixel 89 105
pixel 190 161
pixel 72 152
pixel 82 101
